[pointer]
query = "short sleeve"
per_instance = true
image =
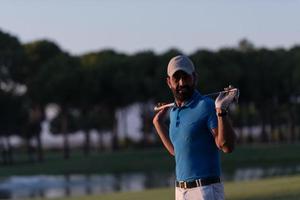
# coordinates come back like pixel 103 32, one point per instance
pixel 212 121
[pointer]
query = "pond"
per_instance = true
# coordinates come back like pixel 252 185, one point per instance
pixel 20 187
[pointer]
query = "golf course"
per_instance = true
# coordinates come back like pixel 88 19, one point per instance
pixel 276 186
pixel 284 188
pixel 149 160
pixel 149 100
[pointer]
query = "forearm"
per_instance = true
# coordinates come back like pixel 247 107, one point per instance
pixel 163 134
pixel 226 136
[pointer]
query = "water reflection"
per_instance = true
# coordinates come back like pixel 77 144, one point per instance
pixel 19 187
pixel 259 173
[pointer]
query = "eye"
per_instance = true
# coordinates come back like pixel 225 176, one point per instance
pixel 176 78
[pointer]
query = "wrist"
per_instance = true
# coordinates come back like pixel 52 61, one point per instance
pixel 221 112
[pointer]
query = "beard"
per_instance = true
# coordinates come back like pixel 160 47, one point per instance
pixel 183 93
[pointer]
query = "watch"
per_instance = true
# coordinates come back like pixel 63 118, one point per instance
pixel 222 114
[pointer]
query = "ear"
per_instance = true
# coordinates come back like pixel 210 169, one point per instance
pixel 168 81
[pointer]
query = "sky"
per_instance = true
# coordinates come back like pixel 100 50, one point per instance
pixel 131 26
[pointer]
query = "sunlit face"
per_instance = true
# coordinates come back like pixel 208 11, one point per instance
pixel 182 85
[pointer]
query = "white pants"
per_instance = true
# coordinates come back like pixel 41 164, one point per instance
pixel 208 192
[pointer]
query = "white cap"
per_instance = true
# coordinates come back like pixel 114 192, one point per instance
pixel 180 62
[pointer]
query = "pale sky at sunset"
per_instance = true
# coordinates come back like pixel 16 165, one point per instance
pixel 135 25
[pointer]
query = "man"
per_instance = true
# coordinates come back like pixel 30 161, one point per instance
pixel 199 128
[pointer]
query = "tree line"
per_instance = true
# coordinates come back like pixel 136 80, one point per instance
pixel 89 88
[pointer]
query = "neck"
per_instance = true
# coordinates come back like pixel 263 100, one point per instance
pixel 180 103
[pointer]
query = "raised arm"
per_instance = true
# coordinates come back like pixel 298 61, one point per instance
pixel 162 130
pixel 225 137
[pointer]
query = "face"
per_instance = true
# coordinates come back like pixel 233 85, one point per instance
pixel 182 85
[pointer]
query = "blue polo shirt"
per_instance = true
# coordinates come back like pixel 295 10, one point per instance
pixel 196 153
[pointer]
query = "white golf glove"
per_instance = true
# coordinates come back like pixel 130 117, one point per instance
pixel 226 98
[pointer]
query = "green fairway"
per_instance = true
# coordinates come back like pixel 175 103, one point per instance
pixel 284 188
pixel 151 160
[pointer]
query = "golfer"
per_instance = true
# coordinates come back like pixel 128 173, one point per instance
pixel 199 128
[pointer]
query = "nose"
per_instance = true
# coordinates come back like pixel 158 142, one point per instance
pixel 181 82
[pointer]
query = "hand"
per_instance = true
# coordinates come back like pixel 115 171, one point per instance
pixel 226 98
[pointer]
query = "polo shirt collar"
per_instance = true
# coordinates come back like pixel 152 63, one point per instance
pixel 196 95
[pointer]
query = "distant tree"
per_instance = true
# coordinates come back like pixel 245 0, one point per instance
pixel 143 69
pixel 245 45
pixel 38 54
pixel 290 91
pixel 206 63
pixel 64 123
pixel 97 118
pixel 11 90
pixel 12 121
pixel 11 59
pixel 58 82
pixel 89 89
pixel 112 87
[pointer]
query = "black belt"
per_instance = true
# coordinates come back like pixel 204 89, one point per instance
pixel 197 183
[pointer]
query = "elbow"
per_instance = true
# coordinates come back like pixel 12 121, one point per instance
pixel 172 152
pixel 227 146
pixel 228 149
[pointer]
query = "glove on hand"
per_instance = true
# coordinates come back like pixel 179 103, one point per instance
pixel 226 98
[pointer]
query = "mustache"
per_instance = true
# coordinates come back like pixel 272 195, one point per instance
pixel 183 87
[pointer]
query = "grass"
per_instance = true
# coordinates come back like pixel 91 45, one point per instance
pixel 151 160
pixel 106 162
pixel 159 160
pixel 275 188
pixel 284 188
pixel 263 155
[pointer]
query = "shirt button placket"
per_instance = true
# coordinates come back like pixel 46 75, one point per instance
pixel 177 118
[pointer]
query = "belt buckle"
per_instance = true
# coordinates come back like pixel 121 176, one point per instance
pixel 198 182
pixel 182 184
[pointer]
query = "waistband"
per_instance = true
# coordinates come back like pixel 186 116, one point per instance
pixel 197 183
